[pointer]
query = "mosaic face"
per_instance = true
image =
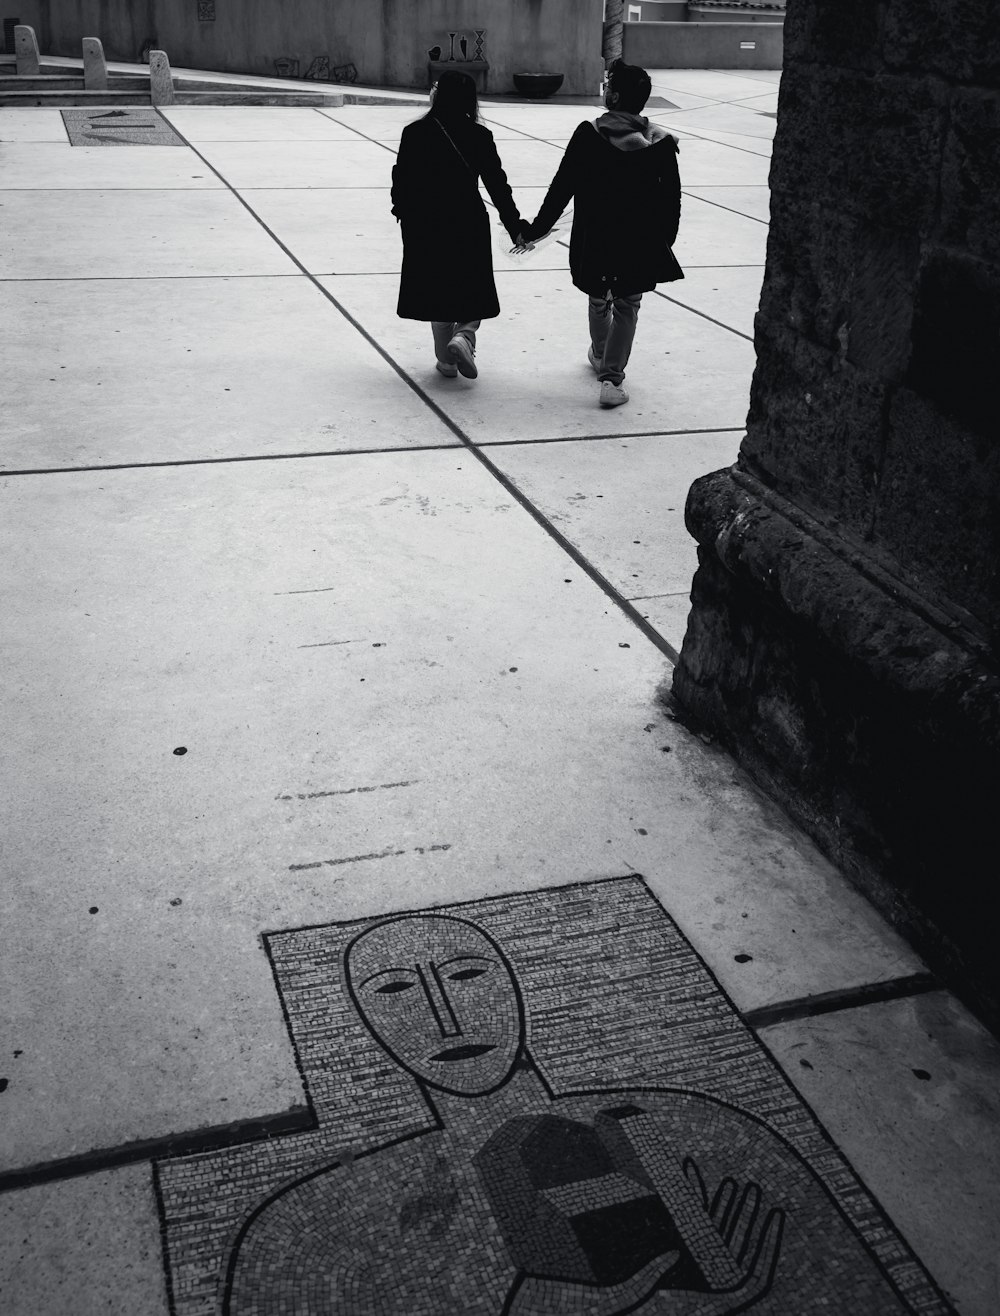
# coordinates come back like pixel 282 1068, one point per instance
pixel 440 997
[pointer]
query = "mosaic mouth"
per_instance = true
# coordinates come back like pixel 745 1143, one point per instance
pixel 463 1052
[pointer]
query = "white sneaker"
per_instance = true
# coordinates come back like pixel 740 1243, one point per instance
pixel 449 371
pixel 464 355
pixel 612 395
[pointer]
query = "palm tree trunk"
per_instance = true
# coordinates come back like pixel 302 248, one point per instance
pixel 614 22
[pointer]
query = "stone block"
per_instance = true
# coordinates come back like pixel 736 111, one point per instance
pixel 842 282
pixel 936 510
pixel 970 174
pixel 807 275
pixel 837 33
pixel 95 66
pixel 815 428
pixel 161 83
pixel 866 145
pixel 958 39
pixel 956 339
pixel 874 722
pixel 26 56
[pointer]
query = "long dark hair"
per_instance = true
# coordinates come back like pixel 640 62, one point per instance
pixel 455 98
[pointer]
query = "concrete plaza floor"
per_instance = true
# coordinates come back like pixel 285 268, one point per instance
pixel 297 632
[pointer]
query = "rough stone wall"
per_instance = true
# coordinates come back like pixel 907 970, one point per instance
pixel 844 635
pixel 875 399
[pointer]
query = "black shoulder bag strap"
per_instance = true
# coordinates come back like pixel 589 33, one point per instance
pixel 455 148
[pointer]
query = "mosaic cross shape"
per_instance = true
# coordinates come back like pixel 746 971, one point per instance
pixel 534 1105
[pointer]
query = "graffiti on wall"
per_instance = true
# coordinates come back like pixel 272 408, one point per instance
pixel 320 70
pixel 206 11
pixel 461 49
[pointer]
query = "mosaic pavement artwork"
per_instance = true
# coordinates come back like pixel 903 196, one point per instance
pixel 136 126
pixel 533 1105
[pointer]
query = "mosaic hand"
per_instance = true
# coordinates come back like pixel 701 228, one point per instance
pixel 755 1251
pixel 531 1296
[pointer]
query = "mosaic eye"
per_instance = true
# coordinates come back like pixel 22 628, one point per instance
pixel 392 987
pixel 464 974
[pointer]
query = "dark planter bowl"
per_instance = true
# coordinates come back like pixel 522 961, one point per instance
pixel 538 85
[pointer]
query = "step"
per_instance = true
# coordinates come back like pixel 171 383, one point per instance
pixel 20 99
pixel 265 96
pixel 182 96
pixel 74 83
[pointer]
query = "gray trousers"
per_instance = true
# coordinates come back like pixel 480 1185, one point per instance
pixel 612 329
pixel 445 330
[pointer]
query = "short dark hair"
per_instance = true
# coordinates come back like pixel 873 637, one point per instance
pixel 455 97
pixel 632 84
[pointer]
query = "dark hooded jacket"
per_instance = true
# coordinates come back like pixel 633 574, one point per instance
pixel 621 173
pixel 447 269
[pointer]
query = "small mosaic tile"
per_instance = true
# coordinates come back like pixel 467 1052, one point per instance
pixel 539 1105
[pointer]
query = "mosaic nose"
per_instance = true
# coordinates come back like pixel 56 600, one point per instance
pixel 441 1007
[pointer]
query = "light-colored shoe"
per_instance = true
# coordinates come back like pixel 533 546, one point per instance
pixel 464 355
pixel 449 371
pixel 592 358
pixel 612 395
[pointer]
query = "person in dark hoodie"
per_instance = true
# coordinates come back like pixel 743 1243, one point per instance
pixel 447 273
pixel 622 171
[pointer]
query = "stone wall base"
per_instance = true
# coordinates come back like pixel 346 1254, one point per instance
pixel 872 718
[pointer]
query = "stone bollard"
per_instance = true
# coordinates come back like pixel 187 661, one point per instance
pixel 95 66
pixel 161 85
pixel 26 51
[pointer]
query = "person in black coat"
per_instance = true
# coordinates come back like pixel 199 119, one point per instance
pixel 622 172
pixel 447 273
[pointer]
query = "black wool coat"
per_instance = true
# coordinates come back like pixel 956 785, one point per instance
pixel 627 208
pixel 447 269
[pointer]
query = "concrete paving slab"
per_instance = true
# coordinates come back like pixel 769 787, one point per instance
pixel 910 1090
pixel 727 294
pixel 34 125
pixel 542 121
pixel 129 235
pixel 255 123
pixel 54 166
pixel 755 145
pixel 711 235
pixel 765 104
pixel 529 163
pixel 772 76
pixel 194 370
pixel 669 614
pixel 741 118
pixel 346 231
pixel 88 1246
pixel 712 84
pixel 752 201
pixel 386 123
pixel 301 164
pixel 683 100
pixel 376 120
pixel 621 501
pixel 535 381
pixel 703 163
pixel 392 686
